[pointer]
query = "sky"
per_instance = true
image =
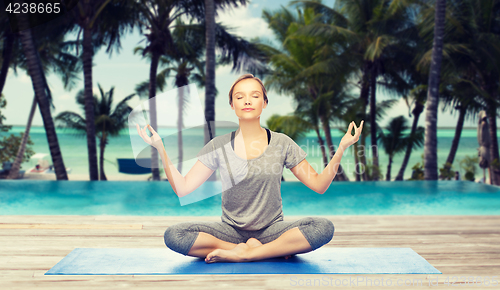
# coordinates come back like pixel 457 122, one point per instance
pixel 124 71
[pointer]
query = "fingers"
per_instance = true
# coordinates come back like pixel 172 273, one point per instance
pixel 151 129
pixel 138 130
pixel 360 127
pixel 357 131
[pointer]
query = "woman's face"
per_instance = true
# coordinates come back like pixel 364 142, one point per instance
pixel 248 94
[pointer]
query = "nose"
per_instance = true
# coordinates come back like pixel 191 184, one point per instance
pixel 247 101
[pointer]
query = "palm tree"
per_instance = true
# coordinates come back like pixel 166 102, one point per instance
pixel 472 43
pixel 158 16
pixel 376 34
pixel 307 112
pixel 462 98
pixel 350 113
pixel 430 148
pixel 395 141
pixel 9 40
pixel 418 95
pixel 53 54
pixel 40 85
pixel 159 21
pixel 300 68
pixel 187 66
pixel 109 121
pixel 291 125
pixel 102 22
pixel 210 90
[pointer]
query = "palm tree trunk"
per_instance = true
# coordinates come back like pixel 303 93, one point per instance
pixel 365 89
pixel 373 122
pixel 340 176
pixel 416 114
pixel 14 171
pixel 321 146
pixel 179 127
pixel 210 73
pixel 430 146
pixel 38 84
pixel 357 167
pixel 388 174
pixel 152 112
pixel 6 55
pixel 102 146
pixel 456 138
pixel 89 102
pixel 494 167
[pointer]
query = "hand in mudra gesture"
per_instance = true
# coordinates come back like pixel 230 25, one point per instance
pixel 154 140
pixel 350 139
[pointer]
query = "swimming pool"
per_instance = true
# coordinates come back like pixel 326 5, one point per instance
pixel 33 197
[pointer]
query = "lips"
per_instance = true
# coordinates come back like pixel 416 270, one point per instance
pixel 248 109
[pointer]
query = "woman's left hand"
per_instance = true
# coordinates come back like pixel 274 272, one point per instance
pixel 349 139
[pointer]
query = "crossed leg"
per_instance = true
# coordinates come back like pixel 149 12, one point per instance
pixel 209 244
pixel 206 244
pixel 289 243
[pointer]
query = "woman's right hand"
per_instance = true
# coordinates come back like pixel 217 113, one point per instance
pixel 154 140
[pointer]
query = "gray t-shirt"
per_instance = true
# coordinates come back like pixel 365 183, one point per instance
pixel 251 189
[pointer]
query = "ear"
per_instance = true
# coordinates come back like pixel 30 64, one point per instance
pixel 265 105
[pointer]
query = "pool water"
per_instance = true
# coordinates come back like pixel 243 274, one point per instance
pixel 139 198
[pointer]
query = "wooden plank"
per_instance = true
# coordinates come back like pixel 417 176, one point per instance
pixel 456 245
pixel 71 226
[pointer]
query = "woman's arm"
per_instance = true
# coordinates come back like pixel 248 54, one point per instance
pixel 320 182
pixel 181 185
pixel 317 182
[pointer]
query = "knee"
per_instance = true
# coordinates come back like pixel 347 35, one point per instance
pixel 169 236
pixel 176 237
pixel 326 227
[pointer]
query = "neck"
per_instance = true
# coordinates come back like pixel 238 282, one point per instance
pixel 250 129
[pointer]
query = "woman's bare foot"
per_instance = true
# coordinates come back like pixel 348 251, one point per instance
pixel 253 243
pixel 235 255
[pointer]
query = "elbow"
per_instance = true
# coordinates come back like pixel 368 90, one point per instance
pixel 321 190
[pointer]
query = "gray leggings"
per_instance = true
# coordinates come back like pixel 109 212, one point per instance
pixel 181 237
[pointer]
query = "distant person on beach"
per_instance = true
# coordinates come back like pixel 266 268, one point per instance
pixel 251 161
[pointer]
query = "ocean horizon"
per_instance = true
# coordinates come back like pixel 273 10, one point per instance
pixel 74 149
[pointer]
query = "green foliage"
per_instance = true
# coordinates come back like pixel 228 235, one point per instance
pixel 395 141
pixel 372 169
pixel 9 146
pixel 3 104
pixel 468 163
pixel 292 126
pixel 495 163
pixel 447 172
pixel 418 170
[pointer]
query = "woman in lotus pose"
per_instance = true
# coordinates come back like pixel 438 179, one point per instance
pixel 251 164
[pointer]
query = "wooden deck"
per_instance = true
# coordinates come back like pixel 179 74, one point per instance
pixel 456 245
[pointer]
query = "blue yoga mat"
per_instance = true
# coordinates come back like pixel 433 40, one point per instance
pixel 163 261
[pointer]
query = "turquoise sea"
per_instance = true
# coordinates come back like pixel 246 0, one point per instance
pixel 74 150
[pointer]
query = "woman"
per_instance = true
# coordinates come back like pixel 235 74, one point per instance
pixel 251 163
